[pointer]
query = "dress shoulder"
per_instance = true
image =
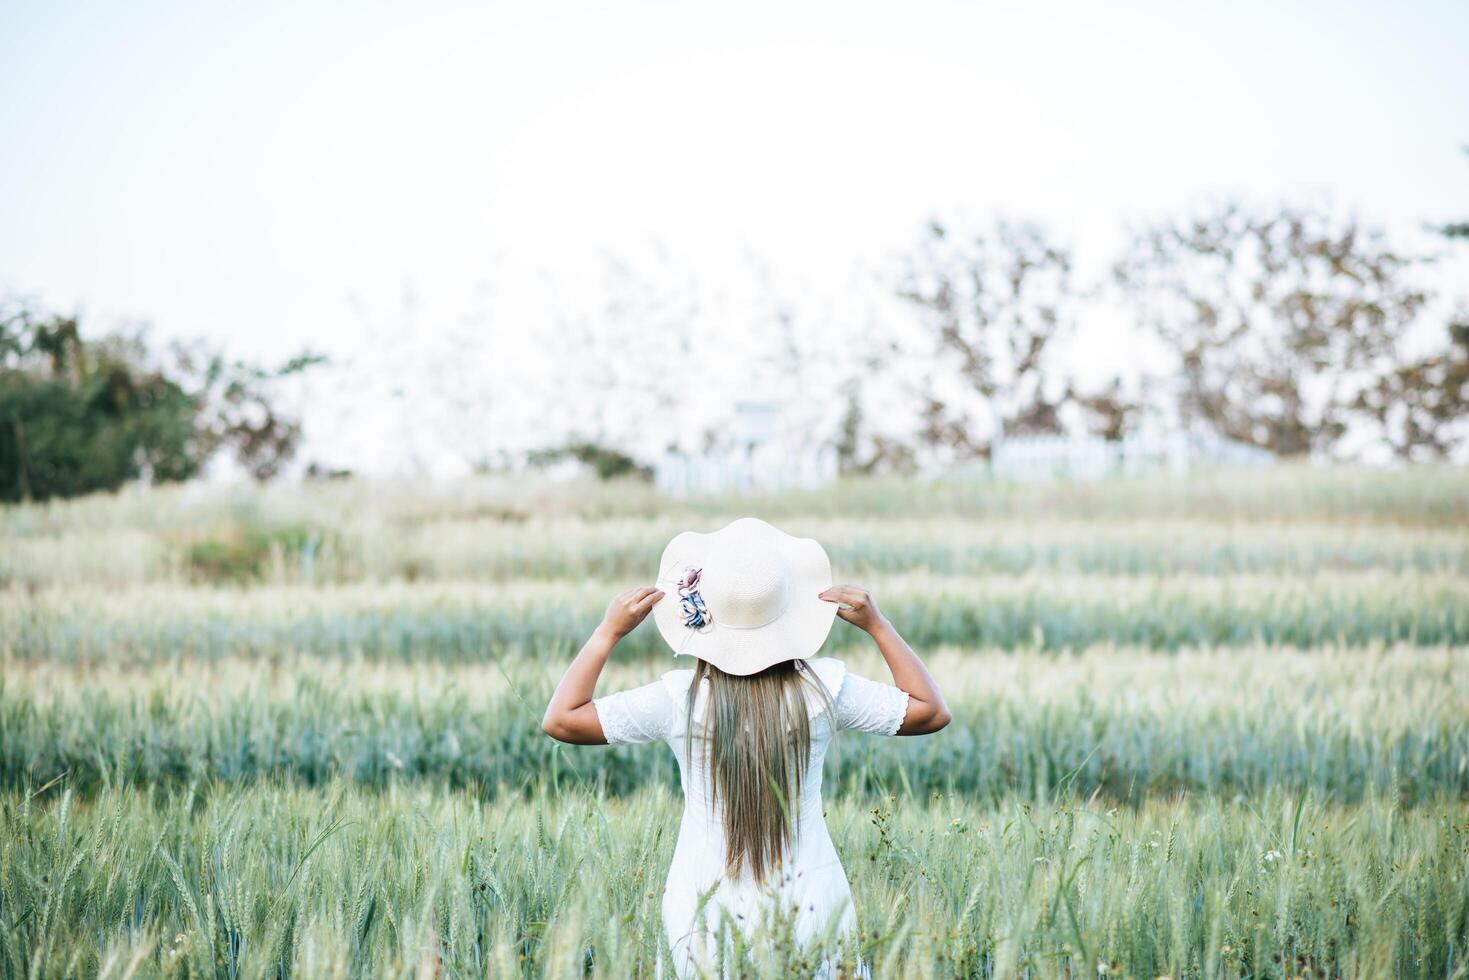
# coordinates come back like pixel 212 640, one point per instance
pixel 677 682
pixel 833 674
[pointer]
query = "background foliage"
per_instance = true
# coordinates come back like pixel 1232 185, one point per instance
pixel 81 415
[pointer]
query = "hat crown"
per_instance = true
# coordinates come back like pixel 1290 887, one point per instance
pixel 746 584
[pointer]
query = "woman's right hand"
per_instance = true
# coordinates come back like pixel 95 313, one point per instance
pixel 856 606
pixel 629 609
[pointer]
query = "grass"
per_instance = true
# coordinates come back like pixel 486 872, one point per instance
pixel 1123 725
pixel 467 622
pixel 493 552
pixel 1205 726
pixel 332 880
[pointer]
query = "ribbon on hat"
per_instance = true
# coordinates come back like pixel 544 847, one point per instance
pixel 696 615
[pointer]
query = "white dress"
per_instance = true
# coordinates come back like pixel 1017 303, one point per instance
pixel 810 881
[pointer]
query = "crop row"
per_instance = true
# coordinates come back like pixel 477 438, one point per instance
pixel 493 551
pixel 1125 725
pixel 1422 496
pixel 464 622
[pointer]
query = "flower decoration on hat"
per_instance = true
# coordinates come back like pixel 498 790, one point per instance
pixel 696 614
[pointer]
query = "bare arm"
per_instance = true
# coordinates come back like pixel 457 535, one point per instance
pixel 571 716
pixel 927 712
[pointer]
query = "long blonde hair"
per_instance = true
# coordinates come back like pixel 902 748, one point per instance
pixel 756 739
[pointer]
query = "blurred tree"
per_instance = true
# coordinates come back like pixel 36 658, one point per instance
pixel 994 302
pixel 848 440
pixel 604 461
pixel 860 450
pixel 1109 413
pixel 461 364
pixel 79 416
pixel 1422 407
pixel 1280 320
pixel 1456 229
pixel 629 361
pixel 236 407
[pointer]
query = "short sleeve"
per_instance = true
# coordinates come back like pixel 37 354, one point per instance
pixel 640 714
pixel 868 706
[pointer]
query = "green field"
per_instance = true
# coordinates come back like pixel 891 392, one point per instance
pixel 1213 726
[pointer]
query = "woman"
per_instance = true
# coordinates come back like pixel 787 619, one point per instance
pixel 750 725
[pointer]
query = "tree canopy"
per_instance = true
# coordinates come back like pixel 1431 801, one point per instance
pixel 79 415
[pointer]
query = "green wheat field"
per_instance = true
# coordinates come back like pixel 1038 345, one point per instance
pixel 1204 726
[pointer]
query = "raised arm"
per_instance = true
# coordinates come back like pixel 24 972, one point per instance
pixel 571 716
pixel 927 712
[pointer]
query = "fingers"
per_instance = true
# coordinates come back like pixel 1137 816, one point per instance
pixel 849 594
pixel 647 599
pixel 854 604
pixel 629 608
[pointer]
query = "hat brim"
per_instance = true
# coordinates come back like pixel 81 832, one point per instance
pixel 796 634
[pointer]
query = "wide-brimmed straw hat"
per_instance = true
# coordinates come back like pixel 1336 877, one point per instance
pixel 744 597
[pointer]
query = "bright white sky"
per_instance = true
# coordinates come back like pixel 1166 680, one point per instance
pixel 275 174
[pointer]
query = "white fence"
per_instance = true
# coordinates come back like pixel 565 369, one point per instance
pixel 1090 457
pixel 1026 458
pixel 761 468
